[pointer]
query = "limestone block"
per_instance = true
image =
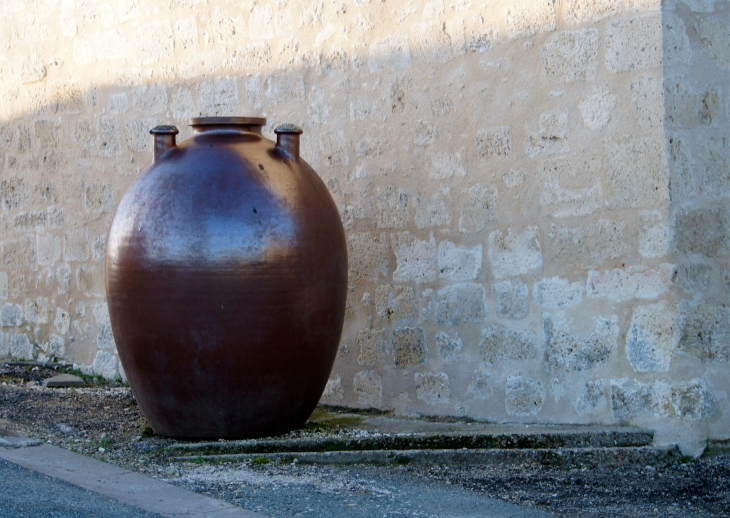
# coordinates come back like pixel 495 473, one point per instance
pixel 652 338
pixel 653 234
pixel 415 259
pixel 571 56
pixel 572 185
pixel 56 346
pixel 558 293
pixel 318 109
pixel 98 248
pixel 715 40
pixel 481 385
pixel 18 287
pixel 424 132
pixel 11 315
pixel 443 166
pixel 461 303
pixel 647 99
pixel 717 168
pixel 494 142
pixel 431 42
pixel 689 401
pixel 528 17
pixel 76 245
pixel 254 91
pixel 108 143
pixel 551 136
pixel 149 100
pixel 186 34
pixel 90 280
pixel 590 400
pixel 136 135
pixel 682 168
pixel 62 321
pixel 106 365
pixel 14 193
pixel 21 348
pixel 644 5
pixel 283 87
pixel 368 256
pixel 577 11
pixel 390 53
pixel 368 388
pixel 153 41
pixel 46 133
pixel 637 173
pixel 524 396
pixel 372 344
pixel 36 310
pixel 4 345
pixel 433 211
pixel 634 43
pixel 597 107
pixel 105 338
pixel 677 50
pixel 219 96
pixel 694 278
pixel 478 210
pixel 32 69
pixel 566 352
pixel 705 331
pixel 681 103
pixel 29 221
pixel 395 302
pixel 631 283
pixel 333 391
pixel 459 263
pixel 47 193
pixel 511 299
pixel 703 231
pixel 515 254
pixel 409 346
pixel 697 6
pixel 3 286
pixel 202 64
pixel 393 206
pixel 63 274
pixel 449 345
pixel 398 90
pixel 498 343
pixel 334 148
pixel 20 254
pixel 432 387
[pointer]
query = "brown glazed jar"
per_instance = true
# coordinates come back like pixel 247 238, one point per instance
pixel 226 278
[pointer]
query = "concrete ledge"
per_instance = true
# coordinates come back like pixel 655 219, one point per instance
pixel 139 490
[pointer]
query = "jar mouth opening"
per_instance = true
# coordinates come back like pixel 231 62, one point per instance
pixel 243 121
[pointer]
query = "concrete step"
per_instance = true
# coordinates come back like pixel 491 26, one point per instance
pixel 571 458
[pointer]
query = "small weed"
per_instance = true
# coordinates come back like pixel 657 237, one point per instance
pixel 261 460
pixel 146 430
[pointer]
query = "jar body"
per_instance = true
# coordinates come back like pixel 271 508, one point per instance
pixel 226 282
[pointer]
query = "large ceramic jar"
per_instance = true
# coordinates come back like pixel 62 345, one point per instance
pixel 226 278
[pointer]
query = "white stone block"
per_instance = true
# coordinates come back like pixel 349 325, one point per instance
pixel 415 258
pixel 635 282
pixel 524 396
pixel 368 389
pixel 652 338
pixel 558 293
pixel 460 303
pixel 516 254
pixel 433 388
pixel 459 263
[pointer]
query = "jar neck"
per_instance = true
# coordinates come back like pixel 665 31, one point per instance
pixel 240 125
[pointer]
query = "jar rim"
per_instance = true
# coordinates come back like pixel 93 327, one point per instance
pixel 244 121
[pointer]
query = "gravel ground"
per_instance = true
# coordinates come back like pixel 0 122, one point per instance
pixel 105 422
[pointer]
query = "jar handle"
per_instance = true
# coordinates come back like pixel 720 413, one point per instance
pixel 287 139
pixel 164 137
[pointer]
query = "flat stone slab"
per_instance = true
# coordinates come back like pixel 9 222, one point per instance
pixel 10 440
pixel 63 381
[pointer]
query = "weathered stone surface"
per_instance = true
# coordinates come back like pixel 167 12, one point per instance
pixel 636 173
pixel 393 207
pixel 494 142
pixel 433 211
pixel 433 388
pixel 572 187
pixel 395 302
pixel 705 330
pixel 634 43
pixel 694 278
pixel 577 11
pixel 566 352
pixel 631 283
pixel 443 166
pixel 653 234
pixel 524 396
pixel 558 293
pixel 21 347
pixel 461 303
pixel 11 315
pixel 415 259
pixel 333 391
pixel 64 380
pixel 511 299
pixel 459 263
pixel 498 343
pixel 409 346
pixel 368 389
pixel 525 18
pixel 515 254
pixel 688 401
pixel 596 109
pixel 478 209
pixel 368 256
pixel 550 137
pixel 106 365
pixel 676 46
pixel 716 184
pixel 590 400
pixel 714 40
pixel 647 99
pixel 449 345
pixel 36 310
pixel 704 231
pixel 391 53
pixel 571 56
pixel 652 338
pixel 481 385
pixel 76 245
pixel 105 338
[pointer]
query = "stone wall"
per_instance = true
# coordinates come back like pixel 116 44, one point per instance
pixel 535 192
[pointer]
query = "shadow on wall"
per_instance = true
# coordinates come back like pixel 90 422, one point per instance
pixel 501 171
